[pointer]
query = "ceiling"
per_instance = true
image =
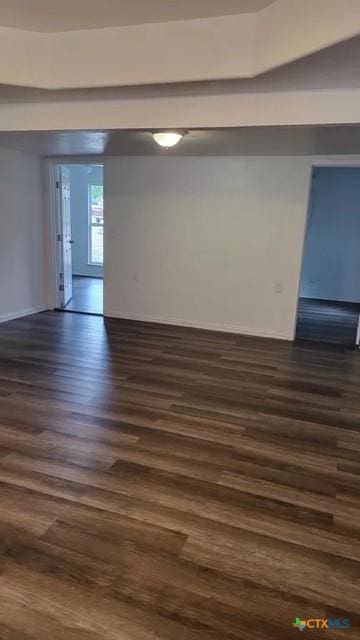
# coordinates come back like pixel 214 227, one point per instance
pixel 329 140
pixel 335 67
pixel 67 15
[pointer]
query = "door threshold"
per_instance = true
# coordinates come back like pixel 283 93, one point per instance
pixel 83 313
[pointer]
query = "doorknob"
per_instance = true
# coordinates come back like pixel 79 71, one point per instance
pixel 72 241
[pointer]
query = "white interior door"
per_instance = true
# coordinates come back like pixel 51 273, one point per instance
pixel 64 186
pixel 357 342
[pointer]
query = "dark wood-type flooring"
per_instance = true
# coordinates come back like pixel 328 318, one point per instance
pixel 163 483
pixel 87 295
pixel 326 321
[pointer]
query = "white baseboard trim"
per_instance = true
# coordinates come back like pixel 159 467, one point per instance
pixel 210 326
pixel 21 314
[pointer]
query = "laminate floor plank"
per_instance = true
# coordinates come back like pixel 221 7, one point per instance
pixel 171 483
pixel 327 321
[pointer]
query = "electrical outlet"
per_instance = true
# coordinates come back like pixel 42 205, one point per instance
pixel 278 287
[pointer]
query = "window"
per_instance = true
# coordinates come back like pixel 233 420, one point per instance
pixel 96 224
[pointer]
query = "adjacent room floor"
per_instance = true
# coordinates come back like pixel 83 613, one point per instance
pixel 87 295
pixel 177 484
pixel 329 322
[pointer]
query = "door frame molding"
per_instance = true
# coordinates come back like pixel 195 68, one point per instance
pixel 320 162
pixel 51 173
pixel 53 221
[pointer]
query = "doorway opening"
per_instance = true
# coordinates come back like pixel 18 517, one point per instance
pixel 329 294
pixel 80 237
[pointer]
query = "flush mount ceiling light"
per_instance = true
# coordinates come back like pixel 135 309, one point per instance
pixel 167 138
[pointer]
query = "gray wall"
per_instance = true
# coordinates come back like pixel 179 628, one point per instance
pixel 80 178
pixel 212 242
pixel 22 244
pixel 331 264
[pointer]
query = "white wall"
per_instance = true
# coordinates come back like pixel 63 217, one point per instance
pixel 22 272
pixel 206 241
pixel 81 176
pixel 195 111
pixel 331 265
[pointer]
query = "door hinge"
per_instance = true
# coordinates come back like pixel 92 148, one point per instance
pixel 61 287
pixel 57 184
pixel 59 237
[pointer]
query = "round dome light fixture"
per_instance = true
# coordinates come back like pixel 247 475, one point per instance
pixel 167 139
